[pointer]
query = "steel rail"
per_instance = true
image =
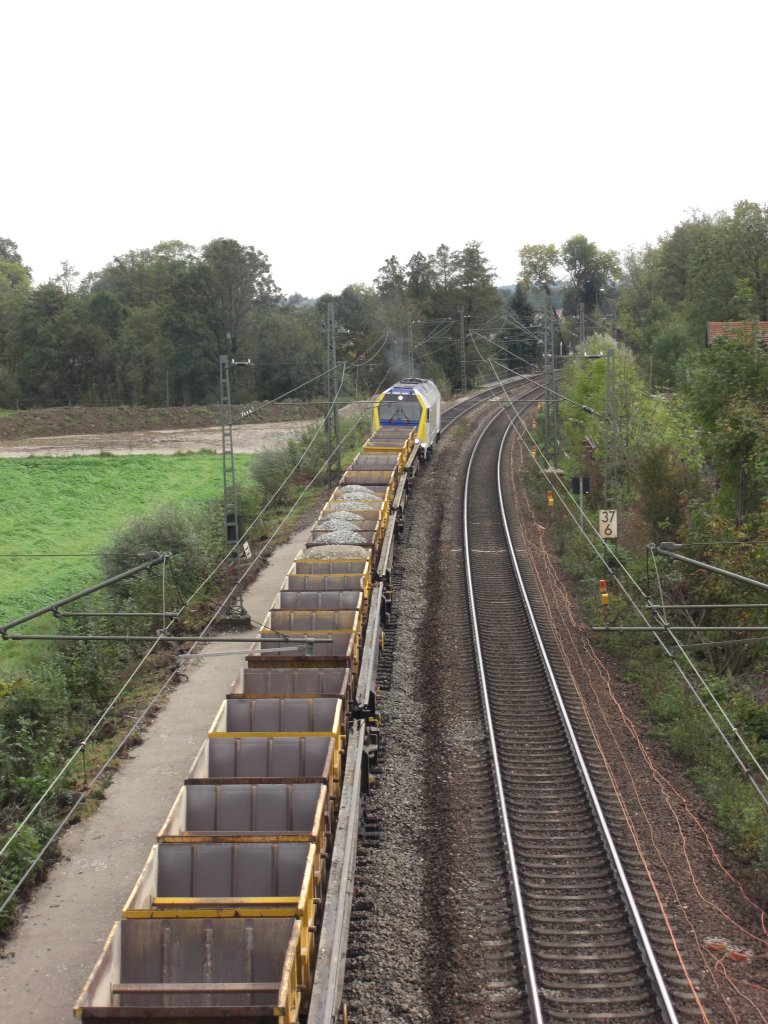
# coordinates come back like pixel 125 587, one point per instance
pixel 489 392
pixel 657 981
pixel 516 892
pixel 328 980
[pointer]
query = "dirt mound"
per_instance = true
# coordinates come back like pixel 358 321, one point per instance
pixel 117 419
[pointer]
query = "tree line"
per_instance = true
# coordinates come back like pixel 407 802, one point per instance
pixel 148 328
pixel 658 301
pixel 709 268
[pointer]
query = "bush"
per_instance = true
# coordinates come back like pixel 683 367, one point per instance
pixel 33 717
pixel 666 485
pixel 192 534
pixel 280 473
pixel 14 864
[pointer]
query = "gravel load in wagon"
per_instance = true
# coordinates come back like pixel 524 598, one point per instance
pixel 338 525
pixel 338 521
pixel 369 518
pixel 332 524
pixel 364 512
pixel 330 513
pixel 358 504
pixel 339 538
pixel 332 551
pixel 354 492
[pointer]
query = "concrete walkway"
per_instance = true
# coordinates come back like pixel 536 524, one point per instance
pixel 45 965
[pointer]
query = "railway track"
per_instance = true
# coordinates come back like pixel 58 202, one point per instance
pixel 584 946
pixel 433 937
pixel 434 934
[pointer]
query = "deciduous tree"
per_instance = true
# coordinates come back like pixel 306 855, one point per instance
pixel 727 386
pixel 539 265
pixel 590 270
pixel 9 251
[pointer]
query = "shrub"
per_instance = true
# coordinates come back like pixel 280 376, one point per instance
pixel 14 863
pixel 32 713
pixel 665 484
pixel 280 472
pixel 190 533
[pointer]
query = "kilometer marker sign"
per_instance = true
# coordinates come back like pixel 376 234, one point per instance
pixel 608 523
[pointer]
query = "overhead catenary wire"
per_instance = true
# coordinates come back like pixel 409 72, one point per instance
pixel 748 763
pixel 362 360
pixel 270 501
pixel 562 606
pixel 41 853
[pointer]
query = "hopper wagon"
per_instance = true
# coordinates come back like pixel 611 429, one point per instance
pixel 240 909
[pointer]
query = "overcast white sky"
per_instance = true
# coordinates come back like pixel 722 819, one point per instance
pixel 332 135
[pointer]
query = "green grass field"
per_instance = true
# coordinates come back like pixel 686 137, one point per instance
pixel 57 513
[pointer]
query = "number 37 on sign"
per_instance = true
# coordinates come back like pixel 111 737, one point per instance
pixel 608 523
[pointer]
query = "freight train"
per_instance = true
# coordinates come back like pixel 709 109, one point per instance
pixel 227 915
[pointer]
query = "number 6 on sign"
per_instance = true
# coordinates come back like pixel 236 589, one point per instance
pixel 608 523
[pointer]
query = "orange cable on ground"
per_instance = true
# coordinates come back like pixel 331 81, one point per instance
pixel 564 613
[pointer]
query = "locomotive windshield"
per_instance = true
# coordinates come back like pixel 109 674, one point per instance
pixel 395 409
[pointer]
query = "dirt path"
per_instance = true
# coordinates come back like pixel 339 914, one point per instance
pixel 247 438
pixel 45 965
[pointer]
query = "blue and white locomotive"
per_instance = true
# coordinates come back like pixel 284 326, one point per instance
pixel 412 402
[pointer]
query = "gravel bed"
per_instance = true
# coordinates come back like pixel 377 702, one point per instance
pixel 426 911
pixel 355 492
pixel 427 908
pixel 339 535
pixel 329 521
pixel 328 550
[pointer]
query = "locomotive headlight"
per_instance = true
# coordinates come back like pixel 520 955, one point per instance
pixel 399 398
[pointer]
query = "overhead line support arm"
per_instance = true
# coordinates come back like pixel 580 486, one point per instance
pixel 150 562
pixel 665 548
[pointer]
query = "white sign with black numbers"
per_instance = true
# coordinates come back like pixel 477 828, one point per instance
pixel 608 523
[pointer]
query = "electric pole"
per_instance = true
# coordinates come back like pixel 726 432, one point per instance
pixel 552 385
pixel 332 411
pixel 235 607
pixel 550 404
pixel 463 350
pixel 410 345
pixel 611 430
